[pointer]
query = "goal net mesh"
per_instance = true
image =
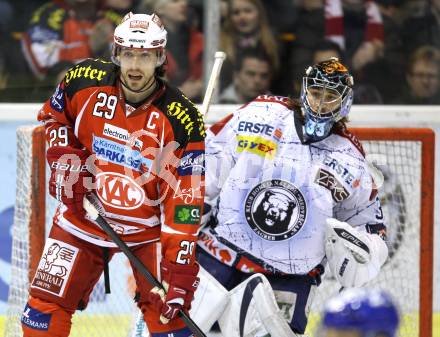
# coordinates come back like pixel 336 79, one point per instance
pixel 110 315
pixel 400 163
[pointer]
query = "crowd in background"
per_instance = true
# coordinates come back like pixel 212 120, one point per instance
pixel 391 46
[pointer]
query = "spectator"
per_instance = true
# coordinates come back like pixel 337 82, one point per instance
pixel 325 50
pixel 184 48
pixel 360 312
pixel 101 37
pixel 422 77
pixel 357 27
pixel 424 18
pixel 387 67
pixel 59 33
pixel 246 26
pixel 252 77
pixel 309 31
pixel 14 73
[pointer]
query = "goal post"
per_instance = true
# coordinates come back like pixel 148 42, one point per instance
pixel 406 157
pixel 28 231
pixel 426 137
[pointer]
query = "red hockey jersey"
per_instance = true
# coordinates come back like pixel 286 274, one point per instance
pixel 149 163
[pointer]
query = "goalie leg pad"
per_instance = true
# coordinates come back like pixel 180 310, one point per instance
pixel 210 300
pixel 253 302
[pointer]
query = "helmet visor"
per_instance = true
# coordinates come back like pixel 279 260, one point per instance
pixel 324 98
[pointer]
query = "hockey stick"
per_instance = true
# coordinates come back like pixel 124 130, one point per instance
pixel 94 214
pixel 215 72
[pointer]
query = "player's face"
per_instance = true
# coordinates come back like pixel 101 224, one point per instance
pixel 244 16
pixel 137 67
pixel 323 101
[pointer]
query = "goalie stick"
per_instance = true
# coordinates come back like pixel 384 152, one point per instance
pixel 94 214
pixel 219 57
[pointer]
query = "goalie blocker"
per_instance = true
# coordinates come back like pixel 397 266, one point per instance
pixel 354 256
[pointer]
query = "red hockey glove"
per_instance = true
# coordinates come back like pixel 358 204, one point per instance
pixel 69 171
pixel 180 283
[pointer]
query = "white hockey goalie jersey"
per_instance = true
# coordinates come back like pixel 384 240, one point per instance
pixel 272 193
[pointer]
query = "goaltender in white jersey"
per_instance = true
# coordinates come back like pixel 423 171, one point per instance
pixel 290 190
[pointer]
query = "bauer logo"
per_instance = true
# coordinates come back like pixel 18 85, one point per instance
pixel 119 191
pixel 55 267
pixel 184 214
pixel 275 210
pixel 192 163
pixel 256 145
pixel 35 319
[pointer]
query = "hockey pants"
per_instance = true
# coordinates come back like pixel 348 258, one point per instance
pixel 67 272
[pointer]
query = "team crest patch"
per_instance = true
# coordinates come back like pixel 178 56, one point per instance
pixel 275 210
pixel 57 99
pixel 55 267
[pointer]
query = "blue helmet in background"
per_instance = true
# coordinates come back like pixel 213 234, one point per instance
pixel 368 312
pixel 326 96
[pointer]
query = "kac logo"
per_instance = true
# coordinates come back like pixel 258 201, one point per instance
pixel 119 191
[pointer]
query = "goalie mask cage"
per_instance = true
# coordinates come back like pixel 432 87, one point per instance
pixel 404 155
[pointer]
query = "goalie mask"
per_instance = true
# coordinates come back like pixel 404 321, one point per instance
pixel 368 312
pixel 140 31
pixel 326 96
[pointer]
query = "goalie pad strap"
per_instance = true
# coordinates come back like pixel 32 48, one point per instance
pixel 247 298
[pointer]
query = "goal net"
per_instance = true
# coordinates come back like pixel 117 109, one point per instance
pixel 405 157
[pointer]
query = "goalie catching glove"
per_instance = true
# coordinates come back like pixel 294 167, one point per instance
pixel 354 256
pixel 179 284
pixel 70 178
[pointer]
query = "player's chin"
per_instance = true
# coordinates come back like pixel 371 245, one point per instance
pixel 136 85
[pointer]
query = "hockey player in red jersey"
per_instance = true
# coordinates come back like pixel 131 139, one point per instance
pixel 118 131
pixel 290 190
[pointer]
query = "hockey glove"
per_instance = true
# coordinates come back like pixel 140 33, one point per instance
pixel 70 178
pixel 354 256
pixel 180 282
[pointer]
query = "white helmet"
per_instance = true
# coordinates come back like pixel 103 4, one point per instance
pixel 140 31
